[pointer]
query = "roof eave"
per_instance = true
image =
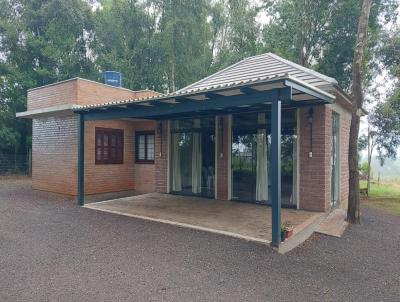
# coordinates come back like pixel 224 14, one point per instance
pixel 49 111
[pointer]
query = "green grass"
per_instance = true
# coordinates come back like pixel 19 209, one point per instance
pixel 386 189
pixel 386 196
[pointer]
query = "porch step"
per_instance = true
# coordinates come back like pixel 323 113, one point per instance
pixel 301 233
pixel 335 224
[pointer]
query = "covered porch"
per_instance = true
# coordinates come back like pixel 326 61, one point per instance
pixel 265 97
pixel 237 219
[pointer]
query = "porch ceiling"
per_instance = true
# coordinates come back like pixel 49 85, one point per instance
pixel 241 96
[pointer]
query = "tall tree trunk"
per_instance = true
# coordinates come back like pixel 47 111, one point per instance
pixel 353 212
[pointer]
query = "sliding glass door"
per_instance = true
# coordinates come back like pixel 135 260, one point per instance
pixel 250 158
pixel 251 139
pixel 193 156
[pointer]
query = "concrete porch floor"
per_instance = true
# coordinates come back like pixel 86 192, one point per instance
pixel 242 220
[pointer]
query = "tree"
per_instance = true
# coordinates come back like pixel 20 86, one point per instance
pixel 389 51
pixel 353 212
pixel 296 28
pixel 386 116
pixel 124 40
pixel 364 168
pixel 386 122
pixel 384 119
pixel 40 42
pixel 321 34
pixel 383 133
pixel 308 33
pixel 236 33
pixel 167 44
pixel 156 44
pixel 183 33
pixel 368 142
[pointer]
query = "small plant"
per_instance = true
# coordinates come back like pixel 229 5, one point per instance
pixel 286 225
pixel 286 230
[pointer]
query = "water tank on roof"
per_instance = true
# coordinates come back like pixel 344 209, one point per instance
pixel 113 78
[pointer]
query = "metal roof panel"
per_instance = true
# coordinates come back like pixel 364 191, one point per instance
pixel 218 88
pixel 267 64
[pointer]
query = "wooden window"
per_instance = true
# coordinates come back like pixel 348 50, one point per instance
pixel 109 146
pixel 145 145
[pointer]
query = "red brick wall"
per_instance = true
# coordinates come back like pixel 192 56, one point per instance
pixel 161 162
pixel 54 158
pixel 54 154
pixel 108 178
pixel 80 92
pixel 119 177
pixel 54 143
pixel 343 107
pixel 344 153
pixel 90 92
pixel 344 123
pixel 144 174
pixel 52 95
pixel 315 177
pixel 222 162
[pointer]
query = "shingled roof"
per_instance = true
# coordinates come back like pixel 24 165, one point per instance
pixel 264 65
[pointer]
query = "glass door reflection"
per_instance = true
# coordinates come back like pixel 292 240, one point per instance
pixel 193 157
pixel 251 140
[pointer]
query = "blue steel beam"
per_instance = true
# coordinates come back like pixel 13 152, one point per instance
pixel 276 171
pixel 300 104
pixel 156 112
pixel 285 94
pixel 81 160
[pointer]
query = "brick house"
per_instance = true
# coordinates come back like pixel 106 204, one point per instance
pixel 264 130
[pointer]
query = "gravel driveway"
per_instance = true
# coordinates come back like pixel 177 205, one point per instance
pixel 52 250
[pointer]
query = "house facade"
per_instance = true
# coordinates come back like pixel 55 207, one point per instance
pixel 264 130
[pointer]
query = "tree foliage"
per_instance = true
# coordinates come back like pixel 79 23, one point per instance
pixel 364 168
pixel 385 116
pixel 321 34
pixel 386 120
pixel 40 42
pixel 124 41
pixel 166 44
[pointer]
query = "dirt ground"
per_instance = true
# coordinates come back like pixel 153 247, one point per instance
pixel 52 250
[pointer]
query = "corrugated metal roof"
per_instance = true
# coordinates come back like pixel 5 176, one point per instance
pixel 192 92
pixel 250 71
pixel 265 65
pixel 187 92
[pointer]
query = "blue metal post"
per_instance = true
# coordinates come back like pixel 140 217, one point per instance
pixel 81 160
pixel 276 171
